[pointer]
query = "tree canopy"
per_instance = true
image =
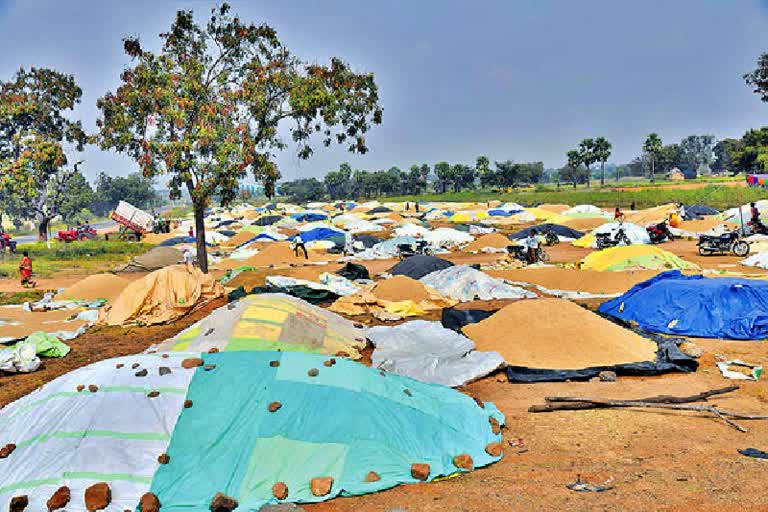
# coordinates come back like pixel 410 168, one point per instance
pixel 209 108
pixel 36 133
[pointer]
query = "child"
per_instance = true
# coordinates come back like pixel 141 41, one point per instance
pixel 25 269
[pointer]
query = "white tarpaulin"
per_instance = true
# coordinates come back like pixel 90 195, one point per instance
pixel 411 229
pixel 636 234
pixel 447 237
pixel 464 283
pixel 329 282
pixel 429 352
pixel 113 435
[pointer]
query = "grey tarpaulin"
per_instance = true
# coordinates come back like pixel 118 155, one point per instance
pixel 428 352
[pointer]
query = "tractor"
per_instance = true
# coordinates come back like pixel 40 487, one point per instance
pixel 81 233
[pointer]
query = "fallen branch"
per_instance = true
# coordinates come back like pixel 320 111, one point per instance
pixel 565 403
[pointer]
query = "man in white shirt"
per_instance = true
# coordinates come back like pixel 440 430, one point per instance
pixel 532 243
pixel 189 258
pixel 298 243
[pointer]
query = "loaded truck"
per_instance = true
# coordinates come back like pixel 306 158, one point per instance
pixel 134 222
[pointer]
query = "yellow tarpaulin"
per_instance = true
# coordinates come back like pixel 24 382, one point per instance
pixel 163 296
pixel 634 257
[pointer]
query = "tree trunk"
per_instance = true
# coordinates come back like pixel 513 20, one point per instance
pixel 602 173
pixel 574 183
pixel 617 174
pixel 653 170
pixel 202 254
pixel 589 176
pixel 42 228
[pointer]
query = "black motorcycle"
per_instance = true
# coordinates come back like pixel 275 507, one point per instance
pixel 722 244
pixel 550 238
pixel 408 250
pixel 604 240
pixel 520 252
pixel 659 233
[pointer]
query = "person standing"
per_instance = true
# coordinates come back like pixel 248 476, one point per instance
pixel 25 269
pixel 298 243
pixel 191 232
pixel 189 258
pixel 532 243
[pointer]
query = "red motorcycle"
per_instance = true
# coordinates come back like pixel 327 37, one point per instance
pixel 659 232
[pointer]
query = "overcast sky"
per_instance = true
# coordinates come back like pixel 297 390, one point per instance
pixel 511 79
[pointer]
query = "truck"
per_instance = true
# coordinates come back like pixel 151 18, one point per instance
pixel 134 222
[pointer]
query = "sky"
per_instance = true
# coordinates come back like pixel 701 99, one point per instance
pixel 511 79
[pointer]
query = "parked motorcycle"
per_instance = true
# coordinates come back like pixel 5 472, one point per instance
pixel 659 232
pixel 756 228
pixel 408 250
pixel 520 252
pixel 604 240
pixel 550 238
pixel 722 244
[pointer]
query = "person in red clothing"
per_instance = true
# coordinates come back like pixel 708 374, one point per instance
pixel 618 215
pixel 25 269
pixel 191 232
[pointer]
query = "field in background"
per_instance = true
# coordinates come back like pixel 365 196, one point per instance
pixel 71 257
pixel 719 193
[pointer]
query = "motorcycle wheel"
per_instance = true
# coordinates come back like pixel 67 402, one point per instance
pixel 600 244
pixel 543 257
pixel 626 240
pixel 703 251
pixel 740 248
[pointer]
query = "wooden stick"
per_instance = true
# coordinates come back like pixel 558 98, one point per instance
pixel 572 403
pixel 667 399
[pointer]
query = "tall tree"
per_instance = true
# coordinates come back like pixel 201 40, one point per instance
pixel 570 172
pixel 727 152
pixel 209 107
pixel 652 148
pixel 602 152
pixel 444 176
pixel 425 172
pixel 696 151
pixel 79 197
pixel 758 79
pixel 588 156
pixel 484 171
pixel 34 129
pixel 754 154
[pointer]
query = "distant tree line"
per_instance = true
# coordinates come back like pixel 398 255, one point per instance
pixel 345 183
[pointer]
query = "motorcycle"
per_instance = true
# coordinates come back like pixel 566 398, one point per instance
pixel 604 240
pixel 659 232
pixel 520 252
pixel 727 242
pixel 408 250
pixel 550 238
pixel 756 228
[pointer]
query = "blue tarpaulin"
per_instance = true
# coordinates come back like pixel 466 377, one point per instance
pixel 320 234
pixel 308 217
pixel 673 303
pixel 499 213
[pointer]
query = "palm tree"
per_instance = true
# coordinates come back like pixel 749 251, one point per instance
pixel 602 153
pixel 588 157
pixel 653 147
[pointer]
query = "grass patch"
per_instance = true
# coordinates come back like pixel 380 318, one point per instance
pixel 9 298
pixel 88 255
pixel 179 212
pixel 717 196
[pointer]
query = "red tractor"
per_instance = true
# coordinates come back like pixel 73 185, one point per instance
pixel 81 233
pixel 5 241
